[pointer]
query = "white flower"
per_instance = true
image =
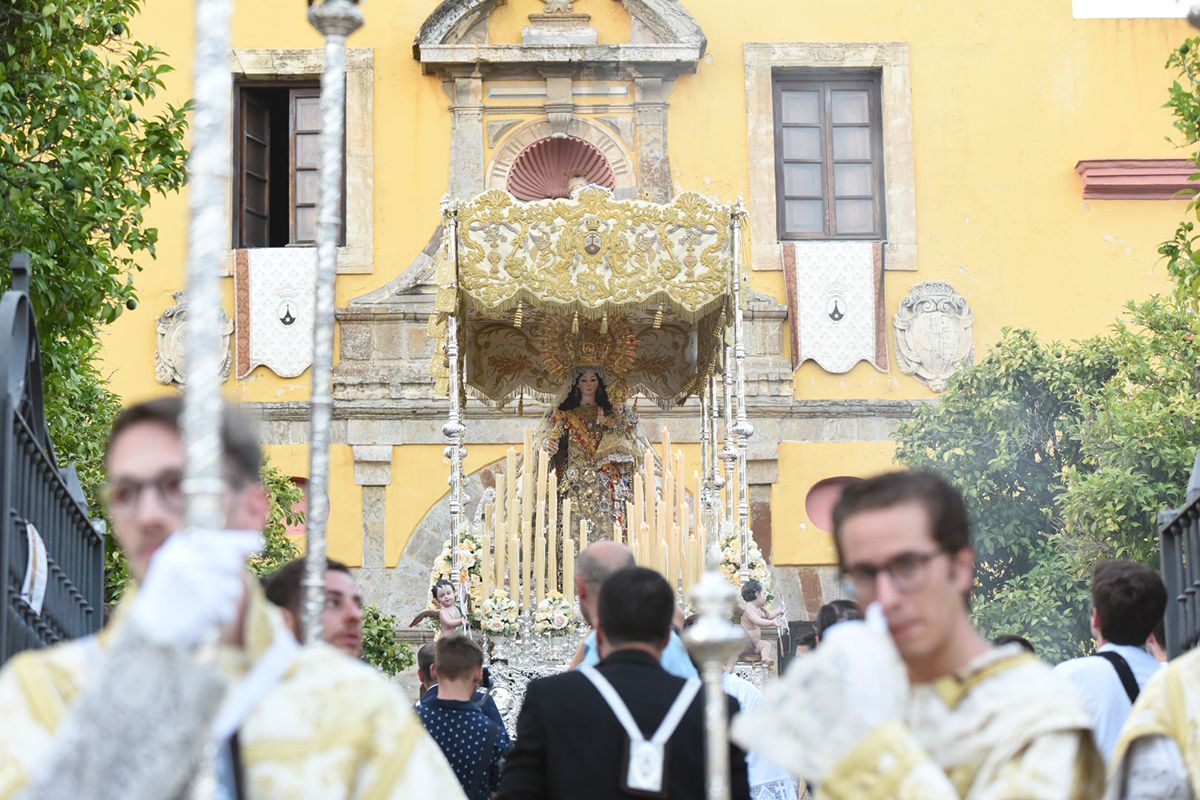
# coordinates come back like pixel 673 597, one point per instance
pixel 559 621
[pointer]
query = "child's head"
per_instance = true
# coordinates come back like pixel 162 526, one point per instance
pixel 751 590
pixel 443 593
pixel 458 658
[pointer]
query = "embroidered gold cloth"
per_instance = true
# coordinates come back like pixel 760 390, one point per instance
pixel 1168 706
pixel 594 266
pixel 596 470
pixel 330 728
pixel 1005 729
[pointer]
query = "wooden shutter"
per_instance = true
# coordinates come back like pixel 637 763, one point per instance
pixel 829 157
pixel 252 217
pixel 305 128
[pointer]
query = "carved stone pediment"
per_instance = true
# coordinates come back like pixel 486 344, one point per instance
pixel 934 333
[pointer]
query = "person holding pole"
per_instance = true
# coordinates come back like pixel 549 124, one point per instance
pixel 233 698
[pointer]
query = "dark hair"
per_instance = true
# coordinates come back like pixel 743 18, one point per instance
pixel 807 639
pixel 456 656
pixel 283 587
pixel 239 439
pixel 834 612
pixel 575 397
pixel 1130 599
pixel 425 656
pixel 636 605
pixel 750 590
pixel 948 521
pixel 433 590
pixel 1012 638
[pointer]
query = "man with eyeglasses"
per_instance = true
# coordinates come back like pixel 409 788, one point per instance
pixel 197 682
pixel 913 702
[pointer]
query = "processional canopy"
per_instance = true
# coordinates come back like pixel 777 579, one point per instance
pixel 641 290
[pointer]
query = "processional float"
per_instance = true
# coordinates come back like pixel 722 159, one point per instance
pixel 652 294
pixel 674 267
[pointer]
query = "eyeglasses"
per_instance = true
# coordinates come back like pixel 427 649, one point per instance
pixel 123 496
pixel 908 572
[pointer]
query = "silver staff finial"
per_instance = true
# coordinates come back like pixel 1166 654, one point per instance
pixel 713 641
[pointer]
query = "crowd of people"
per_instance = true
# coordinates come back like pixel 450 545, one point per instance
pixel 199 686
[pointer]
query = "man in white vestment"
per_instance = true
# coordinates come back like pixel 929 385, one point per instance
pixel 237 704
pixel 1158 754
pixel 914 703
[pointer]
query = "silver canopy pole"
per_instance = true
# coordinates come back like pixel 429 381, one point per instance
pixel 742 429
pixel 715 478
pixel 455 428
pixel 209 172
pixel 335 19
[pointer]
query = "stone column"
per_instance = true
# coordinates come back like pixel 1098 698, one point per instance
pixel 650 115
pixel 466 136
pixel 373 472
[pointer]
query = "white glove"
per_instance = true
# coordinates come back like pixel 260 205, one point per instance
pixel 829 700
pixel 194 586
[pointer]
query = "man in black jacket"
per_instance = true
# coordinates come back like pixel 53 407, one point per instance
pixel 571 741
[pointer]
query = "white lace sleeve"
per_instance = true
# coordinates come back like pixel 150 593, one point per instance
pixel 1155 771
pixel 137 733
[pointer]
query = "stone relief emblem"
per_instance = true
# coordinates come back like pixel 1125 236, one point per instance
pixel 169 357
pixel 933 333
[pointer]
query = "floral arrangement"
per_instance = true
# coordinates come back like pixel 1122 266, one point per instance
pixel 554 616
pixel 731 562
pixel 498 614
pixel 468 548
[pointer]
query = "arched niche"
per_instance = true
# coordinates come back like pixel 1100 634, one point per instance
pixel 621 161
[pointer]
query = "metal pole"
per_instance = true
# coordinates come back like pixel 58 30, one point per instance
pixel 729 448
pixel 714 466
pixel 209 172
pixel 713 641
pixel 743 430
pixel 455 428
pixel 335 19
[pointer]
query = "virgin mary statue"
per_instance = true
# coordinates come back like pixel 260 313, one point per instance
pixel 594 447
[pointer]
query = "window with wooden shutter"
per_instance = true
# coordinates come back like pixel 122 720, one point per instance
pixel 277 165
pixel 828 156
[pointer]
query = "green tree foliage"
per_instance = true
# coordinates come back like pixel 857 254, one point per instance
pixel 380 648
pixel 1065 454
pixel 1183 261
pixel 279 549
pixel 80 160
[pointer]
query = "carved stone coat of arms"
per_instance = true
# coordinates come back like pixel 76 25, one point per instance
pixel 933 333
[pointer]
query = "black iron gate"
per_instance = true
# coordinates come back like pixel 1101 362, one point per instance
pixel 1179 548
pixel 51 556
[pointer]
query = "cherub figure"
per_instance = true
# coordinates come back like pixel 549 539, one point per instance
pixel 449 617
pixel 755 617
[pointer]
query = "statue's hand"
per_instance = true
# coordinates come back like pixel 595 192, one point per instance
pixel 551 447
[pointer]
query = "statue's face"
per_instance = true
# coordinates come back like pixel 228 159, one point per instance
pixel 445 596
pixel 588 384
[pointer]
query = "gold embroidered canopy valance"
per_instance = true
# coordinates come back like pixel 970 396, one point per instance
pixel 640 289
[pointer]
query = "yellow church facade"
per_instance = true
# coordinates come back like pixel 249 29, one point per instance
pixel 918 176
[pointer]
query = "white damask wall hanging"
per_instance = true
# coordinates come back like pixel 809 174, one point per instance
pixel 835 299
pixel 273 296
